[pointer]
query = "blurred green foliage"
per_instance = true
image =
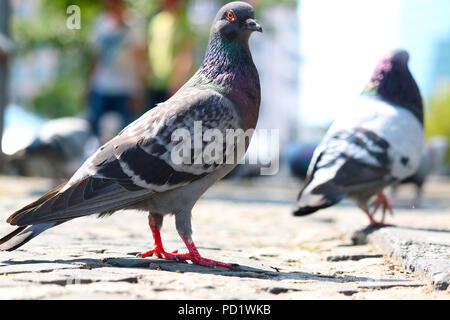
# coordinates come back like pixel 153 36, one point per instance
pixel 437 116
pixel 262 3
pixel 65 95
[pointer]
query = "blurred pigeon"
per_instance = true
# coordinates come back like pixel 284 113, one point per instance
pixel 433 156
pixel 61 144
pixel 136 170
pixel 376 144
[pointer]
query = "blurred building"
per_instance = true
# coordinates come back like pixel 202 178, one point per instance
pixel 341 42
pixel 276 54
pixel 424 30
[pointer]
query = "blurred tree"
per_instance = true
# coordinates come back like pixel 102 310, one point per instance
pixel 65 95
pixel 261 4
pixel 437 116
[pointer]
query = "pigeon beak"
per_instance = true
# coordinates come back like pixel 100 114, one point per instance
pixel 252 25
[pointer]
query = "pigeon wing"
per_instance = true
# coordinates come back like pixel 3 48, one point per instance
pixel 351 160
pixel 139 161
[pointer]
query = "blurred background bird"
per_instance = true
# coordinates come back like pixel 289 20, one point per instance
pixel 432 160
pixel 59 148
pixel 379 143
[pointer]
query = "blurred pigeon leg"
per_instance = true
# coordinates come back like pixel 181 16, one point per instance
pixel 382 200
pixel 373 223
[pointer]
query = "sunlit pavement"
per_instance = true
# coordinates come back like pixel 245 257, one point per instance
pixel 245 223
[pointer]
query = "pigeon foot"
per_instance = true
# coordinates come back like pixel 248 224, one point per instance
pixel 196 258
pixel 383 201
pixel 158 250
pixel 373 223
pixel 160 253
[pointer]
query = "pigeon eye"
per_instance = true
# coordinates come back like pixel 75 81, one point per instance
pixel 231 16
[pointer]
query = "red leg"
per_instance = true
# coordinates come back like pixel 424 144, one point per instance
pixel 158 250
pixel 195 257
pixel 373 222
pixel 193 254
pixel 384 202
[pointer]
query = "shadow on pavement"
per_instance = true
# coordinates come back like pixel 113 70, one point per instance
pixel 241 271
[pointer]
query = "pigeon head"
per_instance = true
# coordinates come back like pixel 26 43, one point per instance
pixel 228 64
pixel 235 21
pixel 392 82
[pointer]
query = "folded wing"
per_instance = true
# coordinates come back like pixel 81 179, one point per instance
pixel 138 162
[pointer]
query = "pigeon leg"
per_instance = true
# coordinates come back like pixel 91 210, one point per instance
pixel 195 257
pixel 155 223
pixel 382 200
pixel 372 223
pixel 183 225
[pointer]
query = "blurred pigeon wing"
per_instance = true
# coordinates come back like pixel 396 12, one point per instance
pixel 367 149
pixel 138 161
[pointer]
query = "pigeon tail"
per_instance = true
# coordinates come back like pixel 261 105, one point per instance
pixel 36 203
pixel 23 234
pixel 307 205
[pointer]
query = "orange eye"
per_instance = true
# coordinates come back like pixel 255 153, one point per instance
pixel 230 15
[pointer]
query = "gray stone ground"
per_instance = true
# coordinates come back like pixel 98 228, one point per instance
pixel 328 255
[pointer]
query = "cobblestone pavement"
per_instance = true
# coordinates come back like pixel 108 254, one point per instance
pixel 276 255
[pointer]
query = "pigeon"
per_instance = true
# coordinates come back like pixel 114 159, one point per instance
pixel 61 143
pixel 137 169
pixel 378 143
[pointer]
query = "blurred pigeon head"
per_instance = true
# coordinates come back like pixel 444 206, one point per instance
pixel 393 83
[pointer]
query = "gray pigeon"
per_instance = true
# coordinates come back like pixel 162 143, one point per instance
pixel 136 169
pixel 433 156
pixel 376 144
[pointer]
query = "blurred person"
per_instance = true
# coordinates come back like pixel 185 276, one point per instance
pixel 118 72
pixel 170 50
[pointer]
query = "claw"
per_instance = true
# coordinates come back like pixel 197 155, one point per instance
pixel 195 257
pixel 160 253
pixel 193 254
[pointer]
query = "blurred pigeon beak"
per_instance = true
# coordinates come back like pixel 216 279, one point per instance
pixel 251 24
